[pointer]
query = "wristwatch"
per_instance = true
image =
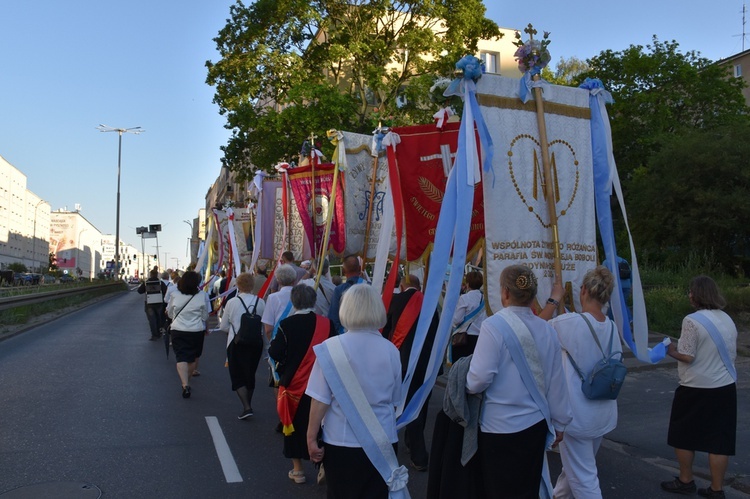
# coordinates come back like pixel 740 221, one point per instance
pixel 553 301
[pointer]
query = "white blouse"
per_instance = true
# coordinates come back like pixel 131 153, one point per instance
pixel 707 369
pixel 591 418
pixel 233 310
pixel 377 365
pixel 508 406
pixel 194 314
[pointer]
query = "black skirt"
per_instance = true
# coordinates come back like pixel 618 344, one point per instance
pixel 295 445
pixel 187 345
pixel 512 463
pixel 349 473
pixel 704 419
pixel 243 361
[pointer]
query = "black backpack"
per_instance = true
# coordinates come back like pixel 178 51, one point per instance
pixel 250 332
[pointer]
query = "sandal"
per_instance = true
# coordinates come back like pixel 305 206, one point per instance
pixel 297 476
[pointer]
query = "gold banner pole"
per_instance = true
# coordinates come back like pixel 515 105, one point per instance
pixel 370 207
pixel 549 184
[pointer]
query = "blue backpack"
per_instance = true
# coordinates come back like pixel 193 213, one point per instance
pixel 608 374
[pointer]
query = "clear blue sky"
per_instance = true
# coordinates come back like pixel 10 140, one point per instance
pixel 69 66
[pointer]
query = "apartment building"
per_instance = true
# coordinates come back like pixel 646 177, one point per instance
pixel 24 221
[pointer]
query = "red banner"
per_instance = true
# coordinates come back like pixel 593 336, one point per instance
pixel 301 180
pixel 424 158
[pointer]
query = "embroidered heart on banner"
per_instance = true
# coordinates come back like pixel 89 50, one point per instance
pixel 527 175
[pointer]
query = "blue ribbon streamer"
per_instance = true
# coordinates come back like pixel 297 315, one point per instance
pixel 602 193
pixel 452 232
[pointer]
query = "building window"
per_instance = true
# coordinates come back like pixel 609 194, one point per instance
pixel 490 62
pixel 738 71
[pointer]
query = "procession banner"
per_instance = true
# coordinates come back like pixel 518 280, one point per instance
pixel 273 242
pixel 424 158
pixel 358 187
pixel 312 209
pixel 518 230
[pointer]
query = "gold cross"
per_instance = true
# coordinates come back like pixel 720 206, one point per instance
pixel 312 140
pixel 531 31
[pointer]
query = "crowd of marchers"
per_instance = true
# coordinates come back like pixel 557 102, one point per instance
pixel 337 359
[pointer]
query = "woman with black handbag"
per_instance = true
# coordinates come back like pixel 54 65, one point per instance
pixel 188 311
pixel 244 344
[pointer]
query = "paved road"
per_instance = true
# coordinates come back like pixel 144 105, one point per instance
pixel 86 399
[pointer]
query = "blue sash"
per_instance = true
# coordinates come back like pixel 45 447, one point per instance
pixel 271 361
pixel 715 335
pixel 467 318
pixel 360 416
pixel 519 359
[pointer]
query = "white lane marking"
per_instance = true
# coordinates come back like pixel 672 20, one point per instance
pixel 231 472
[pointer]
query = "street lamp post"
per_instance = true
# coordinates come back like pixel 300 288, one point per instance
pixel 78 255
pixel 33 250
pixel 190 240
pixel 135 130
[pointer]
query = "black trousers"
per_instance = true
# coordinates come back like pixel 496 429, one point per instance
pixel 155 316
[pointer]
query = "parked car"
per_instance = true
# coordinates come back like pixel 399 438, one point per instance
pixel 65 278
pixel 134 280
pixel 48 279
pixel 27 279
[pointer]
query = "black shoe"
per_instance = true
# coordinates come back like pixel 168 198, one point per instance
pixel 245 414
pixel 279 427
pixel 186 392
pixel 677 486
pixel 153 338
pixel 709 492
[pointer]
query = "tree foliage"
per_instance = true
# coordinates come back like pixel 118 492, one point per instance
pixel 569 72
pixel 289 68
pixel 692 198
pixel 659 93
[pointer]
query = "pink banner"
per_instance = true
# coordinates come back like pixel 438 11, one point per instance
pixel 313 210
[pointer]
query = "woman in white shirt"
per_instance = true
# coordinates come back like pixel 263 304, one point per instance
pixel 468 317
pixel 704 409
pixel 376 364
pixel 188 311
pixel 243 359
pixel 512 425
pixel 592 419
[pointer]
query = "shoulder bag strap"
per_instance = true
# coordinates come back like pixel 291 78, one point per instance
pixel 183 307
pixel 591 328
pixel 243 304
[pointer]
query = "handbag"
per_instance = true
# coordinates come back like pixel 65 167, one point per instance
pixel 251 328
pixel 460 335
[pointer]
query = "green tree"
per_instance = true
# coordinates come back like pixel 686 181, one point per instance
pixel 569 72
pixel 292 67
pixel 659 93
pixel 17 267
pixel 692 198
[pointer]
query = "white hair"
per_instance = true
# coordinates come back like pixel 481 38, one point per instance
pixel 286 275
pixel 362 308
